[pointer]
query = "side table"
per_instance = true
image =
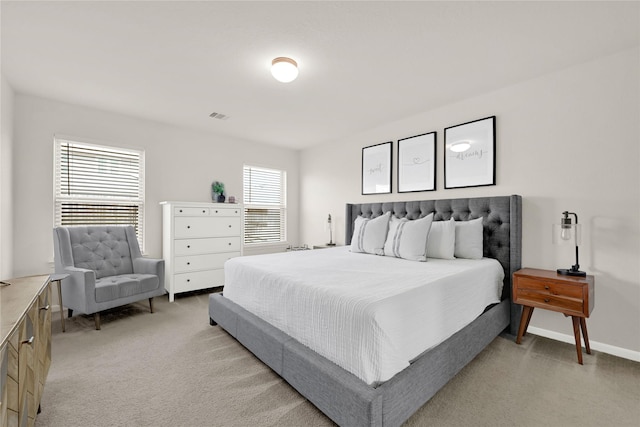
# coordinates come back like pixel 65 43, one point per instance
pixel 570 295
pixel 59 277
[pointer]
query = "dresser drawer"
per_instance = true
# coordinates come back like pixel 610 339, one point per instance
pixel 183 211
pixel 225 212
pixel 203 246
pixel 202 262
pixel 187 227
pixel 198 280
pixel 548 287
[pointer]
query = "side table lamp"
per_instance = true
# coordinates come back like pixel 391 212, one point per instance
pixel 330 232
pixel 567 232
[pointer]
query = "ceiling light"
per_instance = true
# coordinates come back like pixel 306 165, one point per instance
pixel 284 69
pixel 461 146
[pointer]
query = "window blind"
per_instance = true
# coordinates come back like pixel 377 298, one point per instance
pixel 98 185
pixel 264 193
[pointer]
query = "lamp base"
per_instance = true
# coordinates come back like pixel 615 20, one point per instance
pixel 331 244
pixel 571 272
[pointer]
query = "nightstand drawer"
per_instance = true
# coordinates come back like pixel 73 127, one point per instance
pixel 548 287
pixel 550 301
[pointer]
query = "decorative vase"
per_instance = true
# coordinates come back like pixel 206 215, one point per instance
pixel 221 198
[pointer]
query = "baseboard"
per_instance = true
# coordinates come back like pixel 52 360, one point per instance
pixel 598 346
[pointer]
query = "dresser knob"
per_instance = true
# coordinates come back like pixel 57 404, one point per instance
pixel 546 300
pixel 216 211
pixel 188 226
pixel 188 263
pixel 188 280
pixel 180 210
pixel 188 246
pixel 229 226
pixel 229 243
pixel 546 287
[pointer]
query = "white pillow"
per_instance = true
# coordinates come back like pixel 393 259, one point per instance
pixel 369 234
pixel 469 239
pixel 408 239
pixel 442 239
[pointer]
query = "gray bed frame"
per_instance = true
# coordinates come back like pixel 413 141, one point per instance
pixel 342 396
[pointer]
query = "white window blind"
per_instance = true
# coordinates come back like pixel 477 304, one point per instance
pixel 98 185
pixel 264 205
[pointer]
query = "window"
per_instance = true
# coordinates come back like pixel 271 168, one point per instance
pixel 265 207
pixel 98 185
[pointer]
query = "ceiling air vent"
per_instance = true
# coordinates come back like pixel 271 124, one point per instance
pixel 218 116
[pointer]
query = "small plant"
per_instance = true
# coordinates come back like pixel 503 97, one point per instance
pixel 217 187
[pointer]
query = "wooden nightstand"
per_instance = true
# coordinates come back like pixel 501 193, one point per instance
pixel 572 296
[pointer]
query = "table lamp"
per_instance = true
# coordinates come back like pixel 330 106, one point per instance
pixel 568 233
pixel 330 232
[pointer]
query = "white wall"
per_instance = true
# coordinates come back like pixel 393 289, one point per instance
pixel 180 166
pixel 6 180
pixel 565 141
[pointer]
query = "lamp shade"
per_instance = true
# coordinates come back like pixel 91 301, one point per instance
pixel 567 234
pixel 284 69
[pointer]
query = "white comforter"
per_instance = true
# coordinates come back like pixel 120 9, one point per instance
pixel 369 314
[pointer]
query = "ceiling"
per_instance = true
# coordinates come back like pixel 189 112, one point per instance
pixel 361 63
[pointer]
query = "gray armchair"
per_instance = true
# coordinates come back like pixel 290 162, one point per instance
pixel 106 269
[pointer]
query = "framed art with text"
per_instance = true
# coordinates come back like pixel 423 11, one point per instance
pixel 470 154
pixel 376 169
pixel 417 163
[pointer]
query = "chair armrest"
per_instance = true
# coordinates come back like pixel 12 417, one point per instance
pixel 79 288
pixel 149 266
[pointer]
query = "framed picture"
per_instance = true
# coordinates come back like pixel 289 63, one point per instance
pixel 417 163
pixel 376 169
pixel 470 154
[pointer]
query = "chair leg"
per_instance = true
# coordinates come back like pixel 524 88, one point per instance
pixel 96 318
pixel 69 313
pixel 151 304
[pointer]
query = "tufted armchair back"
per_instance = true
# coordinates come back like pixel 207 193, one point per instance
pixel 105 250
pixel 108 251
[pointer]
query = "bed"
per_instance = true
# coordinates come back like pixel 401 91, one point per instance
pixel 349 399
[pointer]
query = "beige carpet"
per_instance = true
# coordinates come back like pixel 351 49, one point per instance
pixel 171 368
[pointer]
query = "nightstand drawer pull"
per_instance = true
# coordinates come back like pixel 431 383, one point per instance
pixel 547 300
pixel 546 287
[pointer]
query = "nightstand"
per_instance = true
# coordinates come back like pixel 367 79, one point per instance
pixel 569 295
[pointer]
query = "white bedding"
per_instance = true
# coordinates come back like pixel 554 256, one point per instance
pixel 369 314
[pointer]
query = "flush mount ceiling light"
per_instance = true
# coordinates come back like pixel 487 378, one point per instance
pixel 284 69
pixel 460 146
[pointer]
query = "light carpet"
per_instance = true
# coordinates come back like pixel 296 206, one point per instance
pixel 171 368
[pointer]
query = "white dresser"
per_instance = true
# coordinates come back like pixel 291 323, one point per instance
pixel 197 239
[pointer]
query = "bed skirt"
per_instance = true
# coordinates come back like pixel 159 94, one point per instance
pixel 342 396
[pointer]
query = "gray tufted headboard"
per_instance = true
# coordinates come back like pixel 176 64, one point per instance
pixel 502 221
